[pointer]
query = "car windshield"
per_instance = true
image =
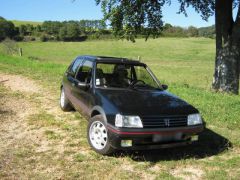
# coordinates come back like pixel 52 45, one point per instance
pixel 124 76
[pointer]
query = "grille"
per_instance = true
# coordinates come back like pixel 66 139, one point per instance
pixel 164 121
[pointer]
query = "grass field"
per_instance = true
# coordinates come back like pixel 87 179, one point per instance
pixel 19 23
pixel 186 65
pixel 187 61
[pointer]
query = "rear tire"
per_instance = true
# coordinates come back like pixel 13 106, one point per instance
pixel 64 102
pixel 98 136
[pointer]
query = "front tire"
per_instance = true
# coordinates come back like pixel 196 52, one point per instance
pixel 98 136
pixel 64 102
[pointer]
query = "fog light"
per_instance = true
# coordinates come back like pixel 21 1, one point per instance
pixel 126 143
pixel 194 138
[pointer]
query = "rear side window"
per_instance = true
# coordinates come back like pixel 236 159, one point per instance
pixel 73 69
pixel 85 72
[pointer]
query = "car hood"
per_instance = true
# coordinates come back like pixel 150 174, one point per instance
pixel 146 102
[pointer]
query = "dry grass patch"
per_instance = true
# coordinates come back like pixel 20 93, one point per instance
pixel 19 83
pixel 188 172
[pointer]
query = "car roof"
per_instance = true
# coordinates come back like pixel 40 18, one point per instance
pixel 106 59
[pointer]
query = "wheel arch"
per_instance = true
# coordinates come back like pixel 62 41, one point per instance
pixel 97 110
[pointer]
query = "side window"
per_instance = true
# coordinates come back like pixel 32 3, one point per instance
pixel 74 67
pixel 85 72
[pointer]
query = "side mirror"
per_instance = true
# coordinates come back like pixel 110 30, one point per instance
pixel 164 86
pixel 69 73
pixel 83 86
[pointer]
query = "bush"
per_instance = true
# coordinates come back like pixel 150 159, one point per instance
pixel 207 32
pixel 29 38
pixel 192 31
pixel 18 38
pixel 72 31
pixel 43 38
pixel 10 46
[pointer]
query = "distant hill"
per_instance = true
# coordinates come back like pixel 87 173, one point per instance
pixel 19 23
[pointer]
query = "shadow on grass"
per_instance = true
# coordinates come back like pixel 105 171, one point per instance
pixel 5 112
pixel 209 144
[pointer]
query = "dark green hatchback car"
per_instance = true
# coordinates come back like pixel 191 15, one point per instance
pixel 127 107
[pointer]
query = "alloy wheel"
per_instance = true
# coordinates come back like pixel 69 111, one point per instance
pixel 98 135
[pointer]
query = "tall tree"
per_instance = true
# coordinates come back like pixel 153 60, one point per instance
pixel 7 29
pixel 130 17
pixel 72 31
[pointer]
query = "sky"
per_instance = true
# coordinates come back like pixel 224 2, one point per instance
pixel 60 10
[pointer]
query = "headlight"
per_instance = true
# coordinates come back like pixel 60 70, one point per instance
pixel 128 121
pixel 194 119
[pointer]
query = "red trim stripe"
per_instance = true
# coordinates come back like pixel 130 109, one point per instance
pixel 195 130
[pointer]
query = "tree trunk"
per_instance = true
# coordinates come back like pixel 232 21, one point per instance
pixel 226 76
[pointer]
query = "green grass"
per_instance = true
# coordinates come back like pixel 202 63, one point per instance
pixel 186 65
pixel 186 61
pixel 19 23
pixel 167 49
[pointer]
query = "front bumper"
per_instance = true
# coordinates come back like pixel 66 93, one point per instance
pixel 143 139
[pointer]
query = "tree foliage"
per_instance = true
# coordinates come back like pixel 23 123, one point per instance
pixel 192 31
pixel 69 32
pixel 208 32
pixel 86 29
pixel 129 18
pixel 7 29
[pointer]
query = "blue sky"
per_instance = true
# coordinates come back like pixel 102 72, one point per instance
pixel 40 10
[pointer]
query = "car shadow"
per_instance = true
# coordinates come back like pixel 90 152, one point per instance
pixel 210 143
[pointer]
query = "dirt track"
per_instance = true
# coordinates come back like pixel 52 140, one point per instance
pixel 21 99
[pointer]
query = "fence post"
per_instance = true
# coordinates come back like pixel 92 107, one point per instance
pixel 139 58
pixel 20 51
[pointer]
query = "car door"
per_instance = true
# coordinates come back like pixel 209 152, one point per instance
pixel 69 79
pixel 84 95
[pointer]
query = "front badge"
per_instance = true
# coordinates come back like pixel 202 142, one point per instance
pixel 167 122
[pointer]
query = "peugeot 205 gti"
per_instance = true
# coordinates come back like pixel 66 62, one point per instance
pixel 127 107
